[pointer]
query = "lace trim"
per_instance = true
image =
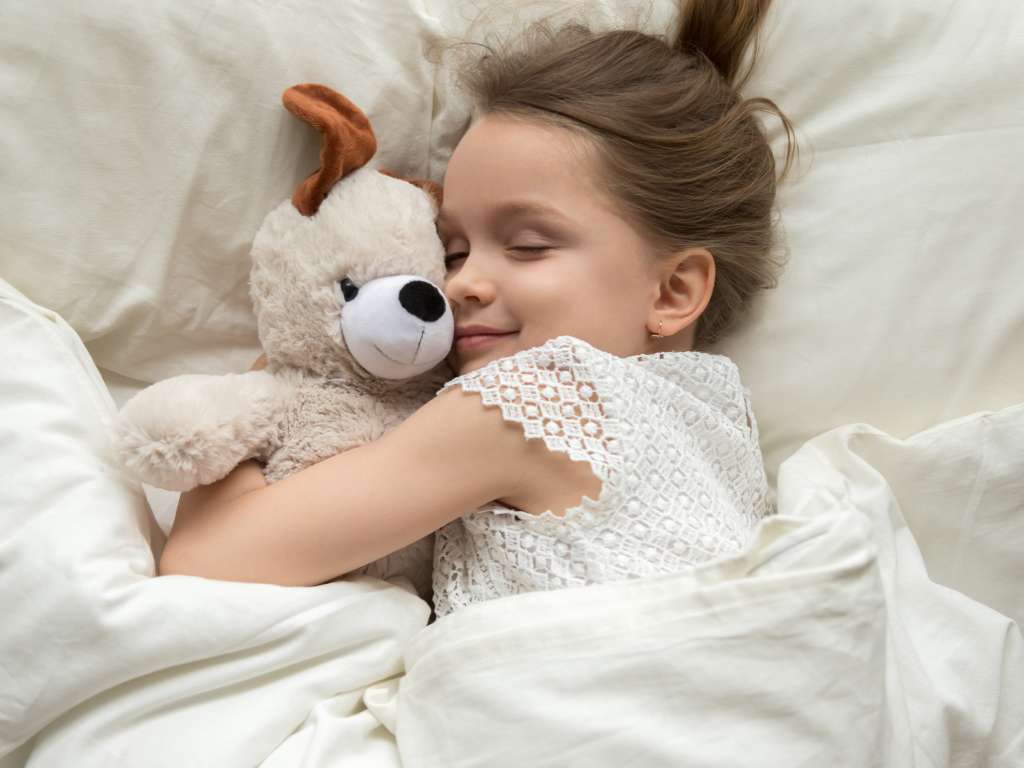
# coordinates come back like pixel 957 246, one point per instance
pixel 558 393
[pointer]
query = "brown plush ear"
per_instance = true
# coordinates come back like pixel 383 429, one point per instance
pixel 348 140
pixel 432 188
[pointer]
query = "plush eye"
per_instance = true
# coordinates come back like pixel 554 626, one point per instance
pixel 348 289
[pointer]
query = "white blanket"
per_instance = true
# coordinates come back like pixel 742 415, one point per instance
pixel 825 643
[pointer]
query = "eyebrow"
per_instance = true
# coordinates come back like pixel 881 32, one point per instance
pixel 514 208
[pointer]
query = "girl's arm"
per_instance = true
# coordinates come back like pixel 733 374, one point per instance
pixel 450 457
pixel 247 476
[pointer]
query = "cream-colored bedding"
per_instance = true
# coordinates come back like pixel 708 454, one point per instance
pixel 143 146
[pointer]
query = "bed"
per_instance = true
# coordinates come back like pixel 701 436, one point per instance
pixel 873 621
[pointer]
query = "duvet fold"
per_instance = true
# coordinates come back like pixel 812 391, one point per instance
pixel 825 643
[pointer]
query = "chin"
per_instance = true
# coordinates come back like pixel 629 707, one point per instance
pixel 468 366
pixel 457 365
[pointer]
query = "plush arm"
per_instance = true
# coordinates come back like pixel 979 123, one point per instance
pixel 193 430
pixel 247 476
pixel 448 458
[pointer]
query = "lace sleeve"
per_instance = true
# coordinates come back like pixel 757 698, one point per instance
pixel 555 391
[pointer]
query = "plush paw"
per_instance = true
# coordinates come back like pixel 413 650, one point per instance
pixel 193 430
pixel 175 461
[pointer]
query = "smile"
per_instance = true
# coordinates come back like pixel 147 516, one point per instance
pixel 479 340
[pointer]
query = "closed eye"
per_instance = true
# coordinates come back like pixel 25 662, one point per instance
pixel 530 248
pixel 525 248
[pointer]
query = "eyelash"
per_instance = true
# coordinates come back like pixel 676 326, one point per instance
pixel 528 249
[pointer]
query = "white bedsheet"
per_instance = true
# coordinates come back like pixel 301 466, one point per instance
pixel 824 643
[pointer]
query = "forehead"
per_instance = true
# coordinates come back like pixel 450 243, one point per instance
pixel 502 159
pixel 517 137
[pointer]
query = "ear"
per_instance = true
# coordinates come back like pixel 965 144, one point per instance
pixel 348 140
pixel 685 284
pixel 432 188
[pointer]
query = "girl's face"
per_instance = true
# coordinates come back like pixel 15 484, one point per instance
pixel 534 250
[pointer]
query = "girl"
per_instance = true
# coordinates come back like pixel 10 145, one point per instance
pixel 608 210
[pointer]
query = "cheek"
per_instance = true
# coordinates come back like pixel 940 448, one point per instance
pixel 588 282
pixel 613 297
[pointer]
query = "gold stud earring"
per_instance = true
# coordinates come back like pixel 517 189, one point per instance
pixel 658 334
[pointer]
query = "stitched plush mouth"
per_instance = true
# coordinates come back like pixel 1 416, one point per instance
pixel 384 354
pixel 399 362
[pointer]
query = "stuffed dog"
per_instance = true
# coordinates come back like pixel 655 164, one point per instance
pixel 354 327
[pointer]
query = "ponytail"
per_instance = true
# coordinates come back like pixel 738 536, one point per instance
pixel 719 31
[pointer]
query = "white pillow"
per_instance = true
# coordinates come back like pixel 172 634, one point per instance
pixel 898 306
pixel 901 304
pixel 146 142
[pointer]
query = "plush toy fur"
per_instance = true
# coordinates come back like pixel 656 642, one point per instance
pixel 353 325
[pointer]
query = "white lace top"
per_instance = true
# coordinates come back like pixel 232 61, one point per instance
pixel 671 436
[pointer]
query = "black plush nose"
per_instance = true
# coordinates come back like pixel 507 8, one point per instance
pixel 422 299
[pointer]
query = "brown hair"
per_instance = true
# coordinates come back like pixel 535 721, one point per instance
pixel 678 149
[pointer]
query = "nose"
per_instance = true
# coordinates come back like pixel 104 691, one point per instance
pixel 422 299
pixel 468 282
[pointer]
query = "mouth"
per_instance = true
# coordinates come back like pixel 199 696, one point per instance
pixel 386 355
pixel 419 343
pixel 479 340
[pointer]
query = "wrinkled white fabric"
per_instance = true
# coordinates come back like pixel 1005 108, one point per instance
pixel 823 643
pixel 671 436
pixel 103 665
